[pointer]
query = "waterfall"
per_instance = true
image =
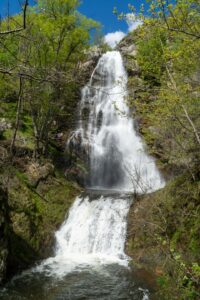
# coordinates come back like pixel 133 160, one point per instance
pixel 89 260
pixel 116 154
pixel 95 229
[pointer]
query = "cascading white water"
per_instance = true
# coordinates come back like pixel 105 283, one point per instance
pixel 93 234
pixel 95 230
pixel 90 243
pixel 95 227
pixel 117 157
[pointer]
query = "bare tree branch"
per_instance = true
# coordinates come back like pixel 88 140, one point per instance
pixel 177 27
pixel 24 22
pixel 17 121
pixel 192 124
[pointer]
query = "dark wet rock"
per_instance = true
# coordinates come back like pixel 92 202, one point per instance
pixel 99 119
pixel 78 159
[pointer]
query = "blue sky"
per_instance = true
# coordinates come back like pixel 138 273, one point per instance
pixel 99 10
pixel 14 6
pixel 102 10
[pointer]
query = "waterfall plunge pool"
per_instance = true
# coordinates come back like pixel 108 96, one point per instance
pixel 100 282
pixel 89 261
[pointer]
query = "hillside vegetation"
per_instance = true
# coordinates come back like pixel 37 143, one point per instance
pixel 40 72
pixel 164 92
pixel 42 55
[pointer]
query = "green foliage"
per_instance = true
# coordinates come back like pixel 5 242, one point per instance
pixel 48 57
pixel 164 224
pixel 168 104
pixel 150 54
pixel 162 281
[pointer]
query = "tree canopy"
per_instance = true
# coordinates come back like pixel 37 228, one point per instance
pixel 40 66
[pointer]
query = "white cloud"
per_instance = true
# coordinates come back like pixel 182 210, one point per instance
pixel 132 22
pixel 113 38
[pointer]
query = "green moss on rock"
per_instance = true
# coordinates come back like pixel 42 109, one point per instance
pixel 35 213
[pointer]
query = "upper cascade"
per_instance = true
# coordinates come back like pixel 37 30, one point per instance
pixel 116 154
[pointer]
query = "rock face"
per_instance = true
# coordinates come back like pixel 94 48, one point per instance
pixel 77 160
pixel 36 172
pixel 140 94
pixel 132 66
pixel 128 49
pixel 4 220
pixel 93 55
pixel 31 210
pixel 77 155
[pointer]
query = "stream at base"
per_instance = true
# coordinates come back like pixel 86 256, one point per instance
pixel 89 261
pixel 103 282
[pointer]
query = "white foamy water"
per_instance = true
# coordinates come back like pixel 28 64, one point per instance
pixel 95 227
pixel 116 153
pixel 94 232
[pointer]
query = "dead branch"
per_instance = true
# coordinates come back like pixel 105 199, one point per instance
pixel 192 124
pixel 24 22
pixel 19 104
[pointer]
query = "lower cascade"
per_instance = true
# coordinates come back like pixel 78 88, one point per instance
pixel 89 261
pixel 96 228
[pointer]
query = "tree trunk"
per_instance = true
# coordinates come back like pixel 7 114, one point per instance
pixel 19 104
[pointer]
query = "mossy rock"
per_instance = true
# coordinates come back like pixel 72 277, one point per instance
pixel 35 214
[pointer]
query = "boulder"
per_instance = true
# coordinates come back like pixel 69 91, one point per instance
pixel 94 53
pixel 87 67
pixel 36 172
pixel 4 125
pixel 129 50
pixel 132 67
